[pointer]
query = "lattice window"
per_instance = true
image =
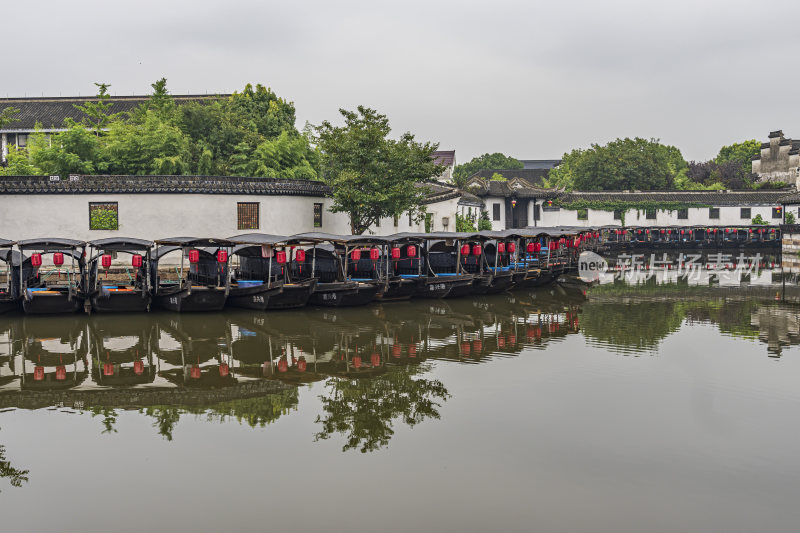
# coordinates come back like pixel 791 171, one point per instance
pixel 745 212
pixel 103 215
pixel 247 215
pixel 317 215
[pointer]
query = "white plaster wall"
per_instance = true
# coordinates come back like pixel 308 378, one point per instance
pixel 497 225
pixel 154 216
pixel 728 216
pixel 438 210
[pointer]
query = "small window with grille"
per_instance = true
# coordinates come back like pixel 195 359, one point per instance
pixel 103 215
pixel 247 215
pixel 317 215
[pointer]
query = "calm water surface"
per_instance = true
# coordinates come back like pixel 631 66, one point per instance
pixel 657 407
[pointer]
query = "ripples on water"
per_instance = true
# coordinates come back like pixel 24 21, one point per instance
pixel 361 377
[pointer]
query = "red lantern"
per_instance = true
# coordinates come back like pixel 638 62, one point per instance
pixel 538 247
pixel 530 248
pixel 36 260
pixel 280 257
pixel 465 249
pixel 374 254
pixel 38 373
pixel 108 369
pixel 138 368
pixel 61 373
pixel 355 255
pixel 136 261
pixel 375 359
pixel 222 256
pixel 395 253
pixel 302 365
pixel 194 373
pixel 300 256
pixel 501 248
pixel 194 256
pixel 58 259
pixel 411 251
pixel 511 247
pixel 224 370
pixel 477 250
pixel 106 259
pixel 356 362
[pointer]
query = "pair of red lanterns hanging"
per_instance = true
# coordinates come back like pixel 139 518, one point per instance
pixel 194 256
pixel 476 250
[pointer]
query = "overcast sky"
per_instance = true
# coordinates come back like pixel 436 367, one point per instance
pixel 532 79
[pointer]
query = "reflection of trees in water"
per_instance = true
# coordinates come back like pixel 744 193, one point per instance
pixel 255 412
pixel 363 410
pixel 15 476
pixel 109 417
pixel 635 327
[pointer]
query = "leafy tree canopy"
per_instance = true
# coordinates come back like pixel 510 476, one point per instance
pixel 485 162
pixel 622 164
pixel 373 176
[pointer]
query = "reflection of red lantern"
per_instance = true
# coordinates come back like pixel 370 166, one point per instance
pixel 283 365
pixel 222 256
pixel 194 256
pixel 224 370
pixel 38 373
pixel 477 345
pixel 412 350
pixel 300 256
pixel 302 365
pixel 512 339
pixel 375 359
pixel 108 369
pixel 395 253
pixel 501 341
pixel 374 254
pixel 106 261
pixel 136 261
pixel 396 350
pixel 465 348
pixel 58 259
pixel 411 251
pixel 61 373
pixel 356 362
pixel 138 368
pixel 194 373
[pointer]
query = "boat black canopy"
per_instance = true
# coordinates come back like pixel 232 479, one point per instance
pixel 194 242
pixel 54 244
pixel 121 244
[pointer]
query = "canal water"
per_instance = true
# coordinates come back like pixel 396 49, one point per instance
pixel 647 405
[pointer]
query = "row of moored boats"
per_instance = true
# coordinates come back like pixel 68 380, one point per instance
pixel 262 272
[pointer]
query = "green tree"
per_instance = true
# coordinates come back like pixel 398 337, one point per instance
pixel 75 151
pixel 622 164
pixel 18 163
pixel 7 116
pixel 97 113
pixel 483 222
pixel 742 152
pixel 154 146
pixel 285 156
pixel 372 176
pixel 495 161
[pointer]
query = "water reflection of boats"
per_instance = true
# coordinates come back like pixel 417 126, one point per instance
pixel 199 351
pixel 122 350
pixel 53 353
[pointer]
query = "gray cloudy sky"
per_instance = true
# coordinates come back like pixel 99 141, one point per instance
pixel 532 79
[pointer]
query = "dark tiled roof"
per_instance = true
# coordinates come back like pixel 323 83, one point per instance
pixel 160 184
pixel 793 198
pixel 439 192
pixel 700 197
pixel 444 157
pixel 533 176
pixel 540 163
pixel 51 112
